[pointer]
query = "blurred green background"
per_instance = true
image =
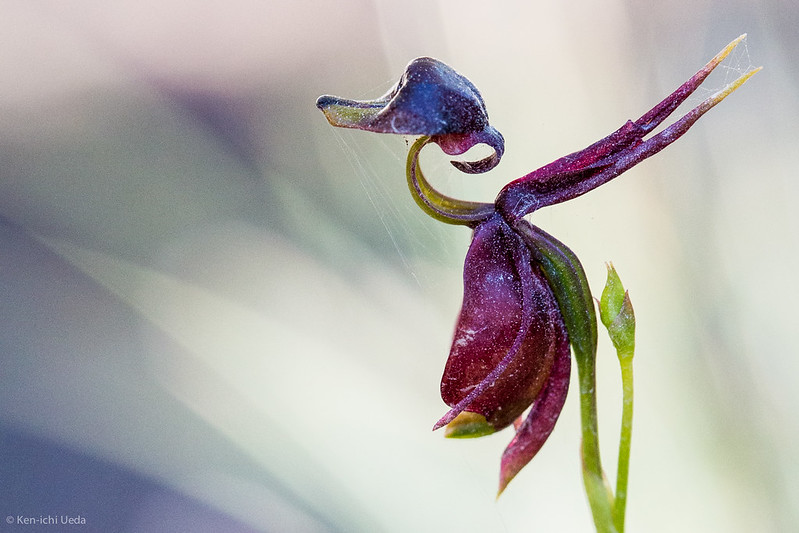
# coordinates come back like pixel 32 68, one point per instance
pixel 217 313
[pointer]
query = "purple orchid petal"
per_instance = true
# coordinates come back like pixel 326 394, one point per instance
pixel 508 333
pixel 540 422
pixel 430 99
pixel 587 169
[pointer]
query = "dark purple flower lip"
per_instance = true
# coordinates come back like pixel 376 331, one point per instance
pixel 430 99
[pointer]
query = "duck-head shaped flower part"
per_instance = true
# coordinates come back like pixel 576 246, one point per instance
pixel 526 299
pixel 430 99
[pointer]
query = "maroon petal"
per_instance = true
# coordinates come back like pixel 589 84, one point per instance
pixel 508 333
pixel 582 171
pixel 540 422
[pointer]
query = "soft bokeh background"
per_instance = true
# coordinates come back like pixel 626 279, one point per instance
pixel 219 314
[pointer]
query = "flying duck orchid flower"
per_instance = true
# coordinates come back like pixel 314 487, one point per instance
pixel 526 299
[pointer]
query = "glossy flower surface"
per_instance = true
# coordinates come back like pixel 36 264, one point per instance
pixel 429 99
pixel 510 325
pixel 526 298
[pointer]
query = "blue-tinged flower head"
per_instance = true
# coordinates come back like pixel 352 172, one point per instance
pixel 430 99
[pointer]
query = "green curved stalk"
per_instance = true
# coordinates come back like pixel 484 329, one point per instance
pixel 567 279
pixel 435 204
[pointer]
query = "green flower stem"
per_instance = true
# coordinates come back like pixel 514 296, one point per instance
pixel 616 313
pixel 567 278
pixel 596 488
pixel 599 497
pixel 620 503
pixel 435 204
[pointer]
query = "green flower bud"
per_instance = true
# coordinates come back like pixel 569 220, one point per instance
pixel 616 313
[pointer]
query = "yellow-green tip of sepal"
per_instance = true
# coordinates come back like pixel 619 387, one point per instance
pixel 468 425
